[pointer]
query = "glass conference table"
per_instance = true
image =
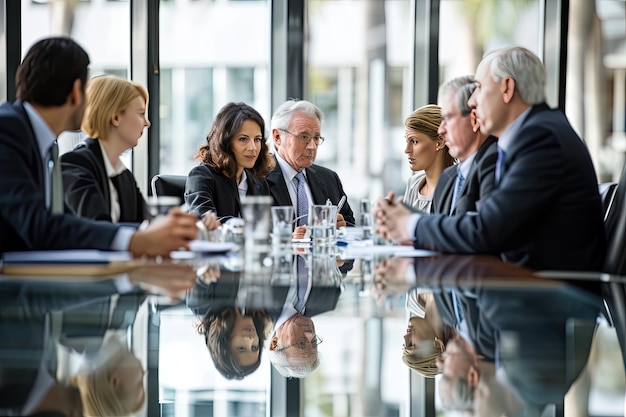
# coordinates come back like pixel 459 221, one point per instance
pixel 158 341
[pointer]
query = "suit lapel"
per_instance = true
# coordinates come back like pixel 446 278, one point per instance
pixel 125 185
pixel 443 199
pixel 278 187
pixel 18 106
pixel 316 186
pixel 94 147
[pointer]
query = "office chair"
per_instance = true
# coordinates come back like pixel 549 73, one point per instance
pixel 164 185
pixel 615 261
pixel 607 194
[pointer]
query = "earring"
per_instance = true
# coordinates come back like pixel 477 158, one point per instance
pixel 439 345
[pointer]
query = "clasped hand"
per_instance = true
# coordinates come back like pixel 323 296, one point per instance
pixel 392 218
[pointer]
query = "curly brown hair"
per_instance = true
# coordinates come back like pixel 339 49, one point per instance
pixel 217 153
pixel 218 330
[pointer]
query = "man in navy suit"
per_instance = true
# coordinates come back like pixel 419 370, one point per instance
pixel 51 99
pixel 461 187
pixel 545 212
pixel 295 129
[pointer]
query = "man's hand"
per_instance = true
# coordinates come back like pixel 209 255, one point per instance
pixel 391 219
pixel 299 233
pixel 390 279
pixel 341 222
pixel 167 278
pixel 165 234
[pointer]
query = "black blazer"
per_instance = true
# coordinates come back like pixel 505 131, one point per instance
pixel 86 186
pixel 323 182
pixel 545 213
pixel 207 189
pixel 478 184
pixel 25 222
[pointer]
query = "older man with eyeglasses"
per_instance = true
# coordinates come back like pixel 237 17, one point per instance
pixel 462 187
pixel 296 181
pixel 293 349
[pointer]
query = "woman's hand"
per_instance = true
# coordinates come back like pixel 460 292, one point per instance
pixel 210 221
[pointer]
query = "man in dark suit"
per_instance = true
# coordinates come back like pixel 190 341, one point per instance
pixel 27 358
pixel 51 99
pixel 295 129
pixel 545 212
pixel 314 290
pixel 461 187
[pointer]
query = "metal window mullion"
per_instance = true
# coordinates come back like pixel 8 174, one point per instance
pixel 145 69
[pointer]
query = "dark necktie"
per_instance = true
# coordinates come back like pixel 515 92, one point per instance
pixel 303 201
pixel 56 180
pixel 499 163
pixel 460 180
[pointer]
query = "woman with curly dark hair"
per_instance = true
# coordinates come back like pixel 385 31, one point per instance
pixel 235 340
pixel 233 163
pixel 234 337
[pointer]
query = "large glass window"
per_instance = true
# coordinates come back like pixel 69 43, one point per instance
pixel 358 56
pixel 108 47
pixel 211 53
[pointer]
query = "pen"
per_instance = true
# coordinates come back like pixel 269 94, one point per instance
pixel 341 203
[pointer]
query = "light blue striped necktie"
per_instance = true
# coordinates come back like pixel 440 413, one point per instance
pixel 460 180
pixel 303 200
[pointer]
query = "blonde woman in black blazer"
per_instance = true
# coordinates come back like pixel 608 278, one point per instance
pixel 233 163
pixel 96 183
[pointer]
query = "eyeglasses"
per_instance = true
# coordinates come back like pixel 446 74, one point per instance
pixel 305 139
pixel 302 343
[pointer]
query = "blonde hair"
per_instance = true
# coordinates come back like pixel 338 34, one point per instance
pixel 106 96
pixel 426 366
pixel 98 395
pixel 426 120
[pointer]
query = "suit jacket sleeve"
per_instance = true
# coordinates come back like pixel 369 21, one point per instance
pixel 325 184
pixel 25 221
pixel 207 190
pixel 86 184
pixel 545 212
pixel 200 190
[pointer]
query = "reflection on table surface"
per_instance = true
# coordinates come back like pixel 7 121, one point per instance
pixel 309 332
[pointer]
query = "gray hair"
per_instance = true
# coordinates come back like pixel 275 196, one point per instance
pixel 280 361
pixel 524 67
pixel 283 114
pixel 462 88
pixel 461 395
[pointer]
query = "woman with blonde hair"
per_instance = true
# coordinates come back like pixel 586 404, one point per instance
pixel 426 335
pixel 111 382
pixel 96 182
pixel 427 154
